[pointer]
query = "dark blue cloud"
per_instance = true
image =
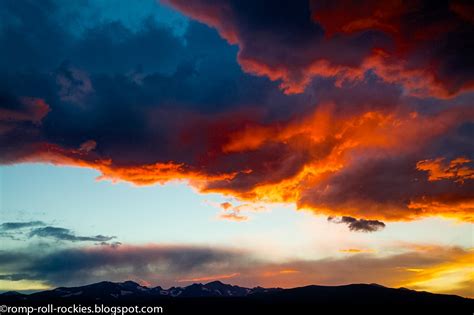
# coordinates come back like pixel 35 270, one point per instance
pixel 118 85
pixel 8 226
pixel 40 35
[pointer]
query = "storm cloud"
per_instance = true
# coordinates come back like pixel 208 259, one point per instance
pixel 344 40
pixel 344 113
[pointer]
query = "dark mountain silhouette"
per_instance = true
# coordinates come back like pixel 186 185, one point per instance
pixel 217 297
pixel 110 291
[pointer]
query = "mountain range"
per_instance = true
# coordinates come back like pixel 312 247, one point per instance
pixel 110 291
pixel 220 297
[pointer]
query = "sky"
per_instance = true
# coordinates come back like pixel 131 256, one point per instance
pixel 270 143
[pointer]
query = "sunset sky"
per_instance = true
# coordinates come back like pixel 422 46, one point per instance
pixel 270 143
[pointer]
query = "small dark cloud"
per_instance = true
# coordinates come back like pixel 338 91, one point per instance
pixel 359 225
pixel 63 234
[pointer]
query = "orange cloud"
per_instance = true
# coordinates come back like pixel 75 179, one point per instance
pixel 421 82
pixel 233 216
pixel 454 206
pixel 356 250
pixel 456 169
pixel 454 277
pixel 280 272
pixel 433 268
pixel 139 174
pixel 330 143
pixel 233 213
pixel 330 163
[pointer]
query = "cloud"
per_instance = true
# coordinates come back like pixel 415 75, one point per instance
pixel 16 230
pixel 8 226
pixel 165 265
pixel 344 40
pixel 233 213
pixel 23 230
pixel 88 146
pixel 233 216
pixel 75 85
pixel 456 169
pixel 311 161
pixel 63 234
pixel 27 109
pixel 388 188
pixel 156 263
pixel 356 250
pixel 359 225
pixel 355 135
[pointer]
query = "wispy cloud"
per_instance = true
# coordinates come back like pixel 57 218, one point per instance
pixel 16 230
pixel 233 212
pixel 8 226
pixel 63 234
pixel 39 229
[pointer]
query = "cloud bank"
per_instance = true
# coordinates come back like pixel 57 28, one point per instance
pixel 166 265
pixel 365 113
